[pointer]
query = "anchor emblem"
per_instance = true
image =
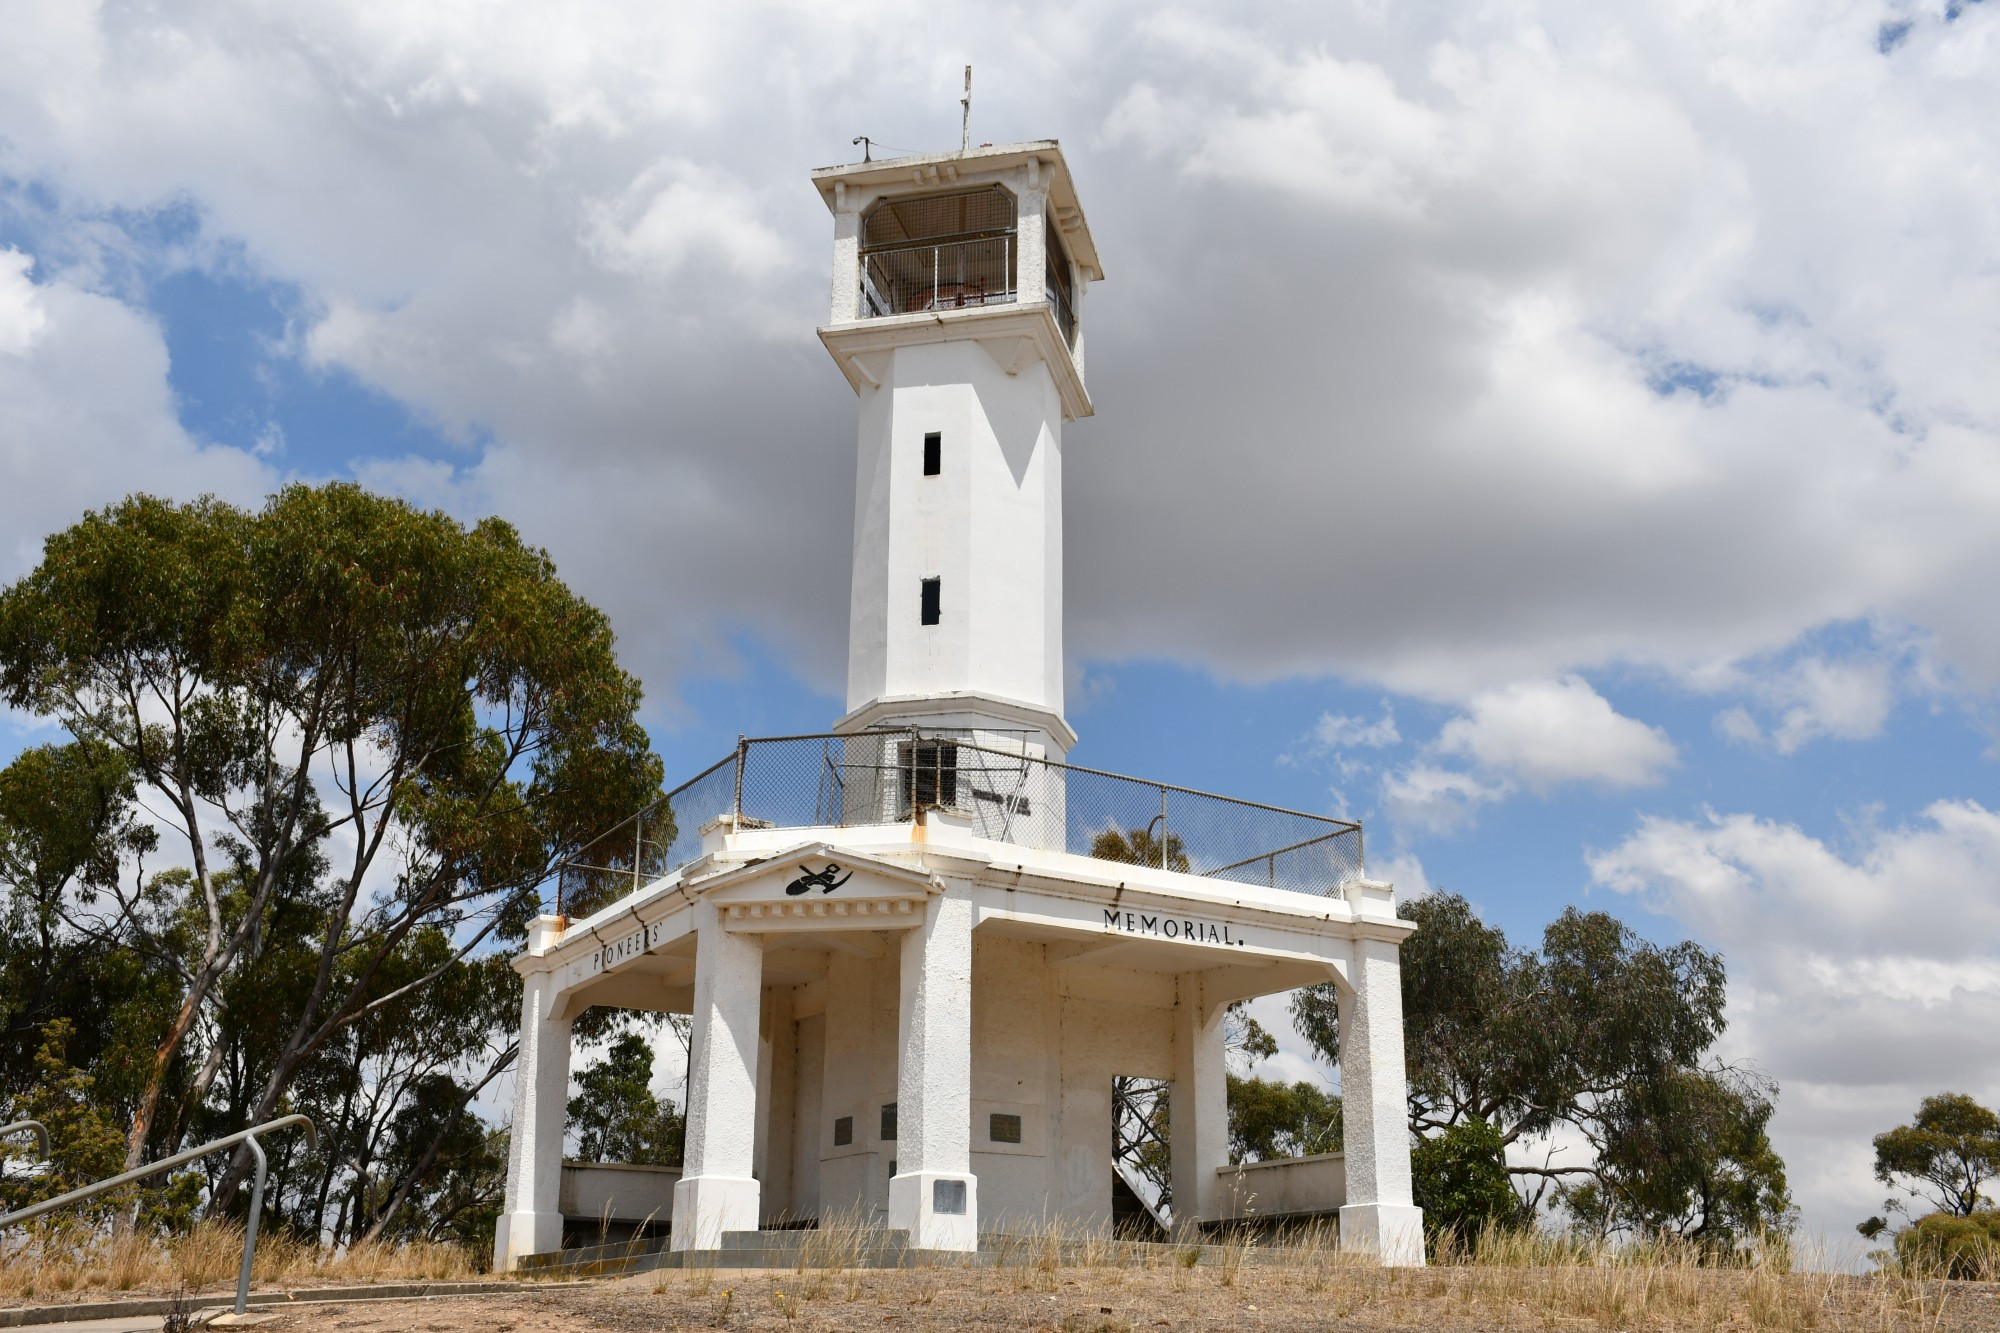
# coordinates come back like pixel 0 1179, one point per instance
pixel 823 880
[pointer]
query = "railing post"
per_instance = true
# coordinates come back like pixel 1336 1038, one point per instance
pixel 1163 828
pixel 250 1225
pixel 41 1133
pixel 638 845
pixel 736 809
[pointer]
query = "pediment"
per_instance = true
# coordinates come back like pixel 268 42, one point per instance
pixel 816 886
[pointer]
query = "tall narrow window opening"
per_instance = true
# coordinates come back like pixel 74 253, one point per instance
pixel 932 600
pixel 933 454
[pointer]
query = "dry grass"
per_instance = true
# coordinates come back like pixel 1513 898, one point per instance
pixel 75 1264
pixel 1074 1281
pixel 1062 1279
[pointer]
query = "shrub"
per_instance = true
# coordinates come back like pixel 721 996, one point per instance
pixel 1460 1181
pixel 1952 1246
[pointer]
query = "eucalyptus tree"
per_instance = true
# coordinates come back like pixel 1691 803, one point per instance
pixel 68 828
pixel 338 704
pixel 1945 1157
pixel 1598 1033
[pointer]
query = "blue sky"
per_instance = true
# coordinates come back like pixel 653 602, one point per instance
pixel 1563 438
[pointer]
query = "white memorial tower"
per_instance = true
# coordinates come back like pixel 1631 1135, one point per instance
pixel 921 950
pixel 957 294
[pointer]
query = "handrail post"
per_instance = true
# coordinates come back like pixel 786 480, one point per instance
pixel 736 810
pixel 41 1133
pixel 250 1225
pixel 1163 828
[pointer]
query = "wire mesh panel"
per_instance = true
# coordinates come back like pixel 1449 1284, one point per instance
pixel 913 278
pixel 996 780
pixel 1057 281
pixel 657 841
pixel 939 252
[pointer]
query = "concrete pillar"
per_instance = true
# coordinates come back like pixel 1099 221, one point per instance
pixel 933 1194
pixel 531 1222
pixel 1198 1107
pixel 718 1190
pixel 846 304
pixel 1378 1215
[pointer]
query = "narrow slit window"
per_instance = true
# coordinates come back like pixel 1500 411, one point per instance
pixel 933 454
pixel 843 1131
pixel 933 598
pixel 889 1123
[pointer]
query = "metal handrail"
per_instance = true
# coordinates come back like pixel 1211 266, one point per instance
pixel 41 1132
pixel 599 857
pixel 248 1136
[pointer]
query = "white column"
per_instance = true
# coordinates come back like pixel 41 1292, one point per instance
pixel 933 1194
pixel 532 1220
pixel 846 304
pixel 1378 1215
pixel 718 1190
pixel 1198 1108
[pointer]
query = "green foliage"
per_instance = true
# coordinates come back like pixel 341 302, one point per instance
pixel 616 1117
pixel 1688 1154
pixel 1947 1155
pixel 1271 1120
pixel 1459 1178
pixel 1599 1033
pixel 67 826
pixel 292 692
pixel 1140 847
pixel 84 1146
pixel 1953 1245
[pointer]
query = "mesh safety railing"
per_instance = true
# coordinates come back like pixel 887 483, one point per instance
pixel 907 279
pixel 1002 790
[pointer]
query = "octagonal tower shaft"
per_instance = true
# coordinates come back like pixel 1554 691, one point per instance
pixel 956 318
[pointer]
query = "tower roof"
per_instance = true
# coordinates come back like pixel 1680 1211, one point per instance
pixel 898 174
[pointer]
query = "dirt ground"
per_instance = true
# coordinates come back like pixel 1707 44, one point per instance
pixel 1126 1300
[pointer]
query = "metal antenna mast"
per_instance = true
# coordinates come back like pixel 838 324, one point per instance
pixel 965 123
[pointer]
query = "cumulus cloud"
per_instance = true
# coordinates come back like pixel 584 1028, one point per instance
pixel 1863 978
pixel 86 414
pixel 1482 345
pixel 1556 731
pixel 1813 698
pixel 1532 735
pixel 1337 731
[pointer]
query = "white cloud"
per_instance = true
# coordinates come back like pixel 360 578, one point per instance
pixel 1556 731
pixel 1438 800
pixel 87 416
pixel 1335 731
pixel 1844 700
pixel 1532 735
pixel 1737 725
pixel 1862 980
pixel 1431 275
pixel 21 313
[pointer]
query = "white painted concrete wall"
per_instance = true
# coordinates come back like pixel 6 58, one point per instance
pixel 1287 1187
pixel 619 1192
pixel 989 526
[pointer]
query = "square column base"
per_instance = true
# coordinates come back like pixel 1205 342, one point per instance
pixel 939 1209
pixel 521 1234
pixel 707 1206
pixel 1393 1231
